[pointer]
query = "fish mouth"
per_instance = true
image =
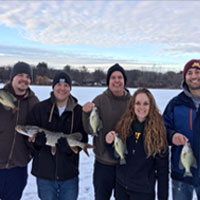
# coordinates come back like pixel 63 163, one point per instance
pixel 20 130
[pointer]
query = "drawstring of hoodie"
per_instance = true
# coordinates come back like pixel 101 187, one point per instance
pixel 51 113
pixel 72 122
pixel 191 119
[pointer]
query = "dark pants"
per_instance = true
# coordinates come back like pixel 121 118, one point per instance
pixel 12 183
pixel 123 194
pixel 103 180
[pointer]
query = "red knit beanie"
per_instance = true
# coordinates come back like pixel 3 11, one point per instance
pixel 191 64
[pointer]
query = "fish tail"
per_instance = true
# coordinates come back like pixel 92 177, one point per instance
pixel 122 161
pixel 95 134
pixel 86 151
pixel 87 146
pixel 187 174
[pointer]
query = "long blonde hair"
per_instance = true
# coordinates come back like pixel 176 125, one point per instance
pixel 155 139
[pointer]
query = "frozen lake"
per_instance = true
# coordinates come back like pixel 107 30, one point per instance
pixel 85 94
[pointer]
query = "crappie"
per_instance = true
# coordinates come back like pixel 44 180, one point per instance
pixel 7 100
pixel 74 139
pixel 120 149
pixel 95 121
pixel 187 159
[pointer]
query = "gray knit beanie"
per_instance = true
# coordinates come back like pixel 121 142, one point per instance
pixel 61 77
pixel 21 68
pixel 115 67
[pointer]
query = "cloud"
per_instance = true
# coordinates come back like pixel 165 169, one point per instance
pixel 57 59
pixel 104 23
pixel 171 28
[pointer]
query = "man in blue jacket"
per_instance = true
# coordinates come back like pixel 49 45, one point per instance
pixel 182 120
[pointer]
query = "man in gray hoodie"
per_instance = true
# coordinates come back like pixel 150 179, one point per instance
pixel 111 105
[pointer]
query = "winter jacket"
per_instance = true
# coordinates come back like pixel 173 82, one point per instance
pixel 111 108
pixel 182 116
pixel 13 149
pixel 140 173
pixel 61 166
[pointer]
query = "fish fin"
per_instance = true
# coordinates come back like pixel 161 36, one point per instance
pixel 88 146
pixel 12 96
pixel 86 151
pixel 181 165
pixel 187 174
pixel 122 161
pixel 194 164
pixel 14 110
pixel 53 151
pixel 31 139
pixel 99 127
pixel 95 134
pixel 126 150
pixel 6 108
pixel 116 154
pixel 75 136
pixel 100 124
pixel 75 150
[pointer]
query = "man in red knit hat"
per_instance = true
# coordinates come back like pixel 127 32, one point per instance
pixel 182 120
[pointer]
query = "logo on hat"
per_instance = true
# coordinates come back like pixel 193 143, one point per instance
pixel 196 64
pixel 61 80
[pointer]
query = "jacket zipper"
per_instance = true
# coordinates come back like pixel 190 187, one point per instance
pixel 56 177
pixel 14 140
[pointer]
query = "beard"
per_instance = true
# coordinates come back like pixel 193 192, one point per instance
pixel 191 87
pixel 22 86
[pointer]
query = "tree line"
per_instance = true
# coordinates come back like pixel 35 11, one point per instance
pixel 43 75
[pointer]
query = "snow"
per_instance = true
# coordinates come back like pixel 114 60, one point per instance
pixel 85 94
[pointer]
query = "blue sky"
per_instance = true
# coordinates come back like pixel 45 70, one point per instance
pixel 153 35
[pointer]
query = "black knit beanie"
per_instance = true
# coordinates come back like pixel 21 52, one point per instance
pixel 115 67
pixel 62 77
pixel 21 68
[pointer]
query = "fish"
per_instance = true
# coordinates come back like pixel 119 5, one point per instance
pixel 187 160
pixel 74 139
pixel 7 100
pixel 95 121
pixel 120 149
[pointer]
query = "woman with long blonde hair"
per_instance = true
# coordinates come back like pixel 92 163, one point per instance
pixel 142 130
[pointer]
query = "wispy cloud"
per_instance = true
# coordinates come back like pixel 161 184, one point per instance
pixel 171 25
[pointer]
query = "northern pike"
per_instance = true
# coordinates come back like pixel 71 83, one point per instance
pixel 95 121
pixel 187 160
pixel 74 139
pixel 120 149
pixel 7 100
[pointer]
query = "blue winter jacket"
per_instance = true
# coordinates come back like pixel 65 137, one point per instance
pixel 182 116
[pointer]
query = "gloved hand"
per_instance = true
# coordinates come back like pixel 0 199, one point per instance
pixel 40 140
pixel 63 146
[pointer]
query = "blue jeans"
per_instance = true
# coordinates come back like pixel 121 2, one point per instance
pixel 12 183
pixel 51 190
pixel 184 191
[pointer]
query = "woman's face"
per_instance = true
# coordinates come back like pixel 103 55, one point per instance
pixel 142 106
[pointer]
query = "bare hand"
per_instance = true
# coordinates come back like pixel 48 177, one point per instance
pixel 88 107
pixel 110 137
pixel 179 139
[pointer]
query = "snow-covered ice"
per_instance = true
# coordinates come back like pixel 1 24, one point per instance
pixel 85 94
